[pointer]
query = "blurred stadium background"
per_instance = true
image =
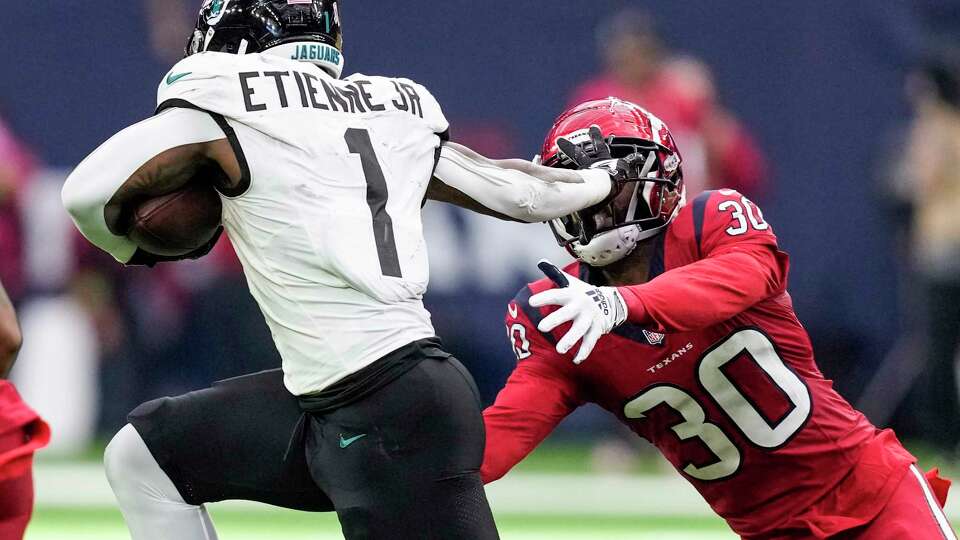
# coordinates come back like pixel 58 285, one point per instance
pixel 841 119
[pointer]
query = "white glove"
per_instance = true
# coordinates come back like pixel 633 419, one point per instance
pixel 595 311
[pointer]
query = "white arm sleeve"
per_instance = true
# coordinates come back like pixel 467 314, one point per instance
pixel 94 182
pixel 516 193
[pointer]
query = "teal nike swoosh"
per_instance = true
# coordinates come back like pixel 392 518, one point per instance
pixel 347 442
pixel 171 78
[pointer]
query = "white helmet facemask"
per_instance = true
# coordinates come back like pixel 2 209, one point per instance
pixel 608 247
pixel 613 245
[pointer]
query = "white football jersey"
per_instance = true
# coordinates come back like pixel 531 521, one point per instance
pixel 327 220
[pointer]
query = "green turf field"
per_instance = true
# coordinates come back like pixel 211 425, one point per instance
pixel 106 524
pixel 553 495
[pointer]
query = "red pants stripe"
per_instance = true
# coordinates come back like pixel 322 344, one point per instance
pixel 914 511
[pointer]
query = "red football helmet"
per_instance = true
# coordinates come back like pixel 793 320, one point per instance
pixel 609 231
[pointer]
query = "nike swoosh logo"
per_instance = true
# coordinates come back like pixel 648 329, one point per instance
pixel 347 442
pixel 512 309
pixel 171 78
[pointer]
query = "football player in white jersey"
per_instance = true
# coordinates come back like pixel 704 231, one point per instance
pixel 322 180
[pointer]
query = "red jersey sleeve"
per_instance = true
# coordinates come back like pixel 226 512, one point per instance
pixel 538 395
pixel 738 265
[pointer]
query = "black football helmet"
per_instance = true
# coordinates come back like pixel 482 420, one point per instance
pixel 307 30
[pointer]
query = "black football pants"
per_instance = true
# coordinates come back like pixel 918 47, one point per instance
pixel 401 463
pixel 404 462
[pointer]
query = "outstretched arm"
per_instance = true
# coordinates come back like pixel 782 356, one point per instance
pixel 10 337
pixel 540 393
pixel 741 265
pixel 714 289
pixel 514 189
pixel 527 409
pixel 154 157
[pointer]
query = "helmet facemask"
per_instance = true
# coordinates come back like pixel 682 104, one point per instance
pixel 609 231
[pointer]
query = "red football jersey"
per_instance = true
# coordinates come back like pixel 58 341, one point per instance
pixel 716 371
pixel 22 432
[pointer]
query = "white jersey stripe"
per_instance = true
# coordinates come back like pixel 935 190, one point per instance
pixel 934 505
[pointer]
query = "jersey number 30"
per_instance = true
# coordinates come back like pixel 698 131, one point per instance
pixel 739 208
pixel 731 400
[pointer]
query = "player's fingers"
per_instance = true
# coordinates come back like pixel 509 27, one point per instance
pixel 596 140
pixel 552 297
pixel 572 152
pixel 587 344
pixel 552 271
pixel 558 317
pixel 577 330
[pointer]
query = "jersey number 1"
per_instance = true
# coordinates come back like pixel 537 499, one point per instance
pixel 358 141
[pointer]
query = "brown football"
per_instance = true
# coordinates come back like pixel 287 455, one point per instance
pixel 177 223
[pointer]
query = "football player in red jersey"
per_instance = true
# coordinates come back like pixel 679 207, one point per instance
pixel 687 334
pixel 22 432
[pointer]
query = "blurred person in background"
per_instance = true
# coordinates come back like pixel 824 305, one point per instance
pixel 167 320
pixel 931 182
pixel 638 67
pixel 21 433
pixel 21 430
pixel 17 165
pixel 168 21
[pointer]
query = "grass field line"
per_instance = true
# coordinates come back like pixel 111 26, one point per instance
pixel 83 485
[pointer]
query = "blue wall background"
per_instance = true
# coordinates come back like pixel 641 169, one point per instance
pixel 818 82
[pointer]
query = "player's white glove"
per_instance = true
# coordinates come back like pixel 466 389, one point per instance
pixel 594 311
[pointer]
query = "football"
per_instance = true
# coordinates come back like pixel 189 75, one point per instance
pixel 177 223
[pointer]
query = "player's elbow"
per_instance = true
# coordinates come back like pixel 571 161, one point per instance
pixel 491 471
pixel 73 197
pixel 82 201
pixel 773 266
pixel 495 464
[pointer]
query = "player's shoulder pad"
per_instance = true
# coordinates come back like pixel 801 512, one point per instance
pixel 521 322
pixel 520 311
pixel 431 109
pixel 206 80
pixel 719 217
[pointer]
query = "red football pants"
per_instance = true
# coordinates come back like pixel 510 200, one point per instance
pixel 16 494
pixel 915 511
